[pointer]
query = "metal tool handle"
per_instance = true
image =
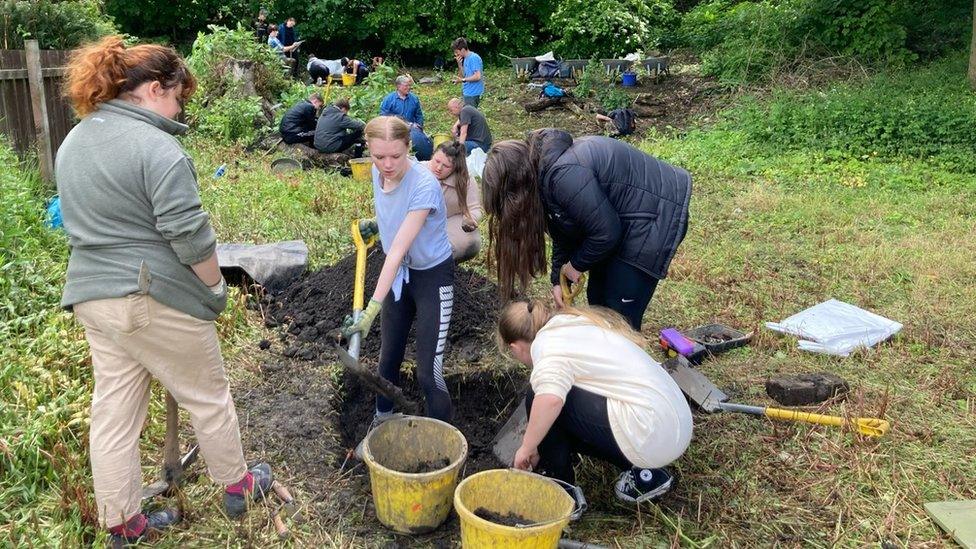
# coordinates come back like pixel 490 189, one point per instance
pixel 579 504
pixel 569 294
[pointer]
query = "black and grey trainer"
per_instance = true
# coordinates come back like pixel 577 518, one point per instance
pixel 156 523
pixel 235 504
pixel 637 485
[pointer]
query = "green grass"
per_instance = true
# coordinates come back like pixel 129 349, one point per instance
pixel 775 228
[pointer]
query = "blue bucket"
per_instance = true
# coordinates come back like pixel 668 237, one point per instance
pixel 629 79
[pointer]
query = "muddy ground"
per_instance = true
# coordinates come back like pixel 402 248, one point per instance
pixel 312 309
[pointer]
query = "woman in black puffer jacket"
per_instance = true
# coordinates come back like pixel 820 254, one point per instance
pixel 610 209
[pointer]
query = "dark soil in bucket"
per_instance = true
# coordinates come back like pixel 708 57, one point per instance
pixel 508 519
pixel 482 401
pixel 428 466
pixel 313 308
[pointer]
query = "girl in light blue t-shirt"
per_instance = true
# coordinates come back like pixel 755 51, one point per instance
pixel 417 279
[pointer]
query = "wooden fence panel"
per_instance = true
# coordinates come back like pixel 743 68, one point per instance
pixel 16 116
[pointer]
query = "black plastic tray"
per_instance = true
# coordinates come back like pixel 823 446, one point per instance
pixel 718 338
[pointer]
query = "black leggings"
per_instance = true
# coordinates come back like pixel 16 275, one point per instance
pixel 430 297
pixel 621 287
pixel 583 427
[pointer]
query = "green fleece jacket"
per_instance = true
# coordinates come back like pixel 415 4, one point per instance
pixel 131 207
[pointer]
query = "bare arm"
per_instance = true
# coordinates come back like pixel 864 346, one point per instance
pixel 545 410
pixel 208 271
pixel 401 243
pixel 463 133
pixel 473 78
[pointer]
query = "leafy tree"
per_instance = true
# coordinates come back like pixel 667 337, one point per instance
pixel 609 28
pixel 178 21
pixel 55 25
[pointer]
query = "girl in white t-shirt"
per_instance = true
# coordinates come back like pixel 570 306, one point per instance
pixel 595 392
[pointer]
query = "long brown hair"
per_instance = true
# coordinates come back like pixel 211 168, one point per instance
pixel 458 154
pixel 516 224
pixel 522 320
pixel 107 69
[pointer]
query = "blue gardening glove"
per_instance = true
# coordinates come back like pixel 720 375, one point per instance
pixel 364 322
pixel 368 228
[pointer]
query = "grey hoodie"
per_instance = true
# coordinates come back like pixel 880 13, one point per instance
pixel 131 207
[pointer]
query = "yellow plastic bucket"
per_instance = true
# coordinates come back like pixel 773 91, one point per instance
pixel 361 169
pixel 504 491
pixel 348 79
pixel 440 138
pixel 413 502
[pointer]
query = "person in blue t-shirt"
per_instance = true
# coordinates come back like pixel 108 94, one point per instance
pixel 469 72
pixel 416 283
pixel 406 106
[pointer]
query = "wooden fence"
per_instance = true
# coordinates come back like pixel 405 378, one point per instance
pixel 33 114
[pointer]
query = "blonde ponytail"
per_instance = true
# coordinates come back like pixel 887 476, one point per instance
pixel 522 320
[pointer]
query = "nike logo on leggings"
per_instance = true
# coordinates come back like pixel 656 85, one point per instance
pixel 626 300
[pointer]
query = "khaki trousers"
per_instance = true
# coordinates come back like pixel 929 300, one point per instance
pixel 132 340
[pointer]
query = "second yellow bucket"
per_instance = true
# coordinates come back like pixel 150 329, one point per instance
pixel 348 79
pixel 361 169
pixel 414 502
pixel 511 492
pixel 440 138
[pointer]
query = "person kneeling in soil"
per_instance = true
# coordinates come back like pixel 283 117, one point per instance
pixel 462 196
pixel 417 278
pixel 298 123
pixel 143 278
pixel 471 127
pixel 336 131
pixel 594 391
pixel 406 106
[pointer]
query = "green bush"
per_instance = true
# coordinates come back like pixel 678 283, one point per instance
pixel 228 119
pixel 927 114
pixel 55 25
pixel 419 29
pixel 178 22
pixel 753 40
pixel 223 107
pixel 611 28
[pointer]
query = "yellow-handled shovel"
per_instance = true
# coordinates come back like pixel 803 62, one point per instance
pixel 570 293
pixel 711 399
pixel 359 284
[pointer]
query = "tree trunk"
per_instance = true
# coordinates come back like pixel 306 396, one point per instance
pixel 972 52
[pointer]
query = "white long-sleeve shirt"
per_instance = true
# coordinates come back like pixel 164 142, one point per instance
pixel 649 416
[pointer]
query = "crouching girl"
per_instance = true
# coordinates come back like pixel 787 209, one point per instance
pixel 595 392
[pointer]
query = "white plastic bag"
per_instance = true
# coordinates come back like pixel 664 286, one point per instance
pixel 548 56
pixel 476 162
pixel 836 328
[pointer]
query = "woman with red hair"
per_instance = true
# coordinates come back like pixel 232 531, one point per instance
pixel 143 277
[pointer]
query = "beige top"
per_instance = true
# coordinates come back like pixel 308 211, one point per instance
pixel 465 244
pixel 649 417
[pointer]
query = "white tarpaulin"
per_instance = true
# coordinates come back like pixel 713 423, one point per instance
pixel 836 328
pixel 476 162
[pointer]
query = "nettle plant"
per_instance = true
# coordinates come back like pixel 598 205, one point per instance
pixel 611 28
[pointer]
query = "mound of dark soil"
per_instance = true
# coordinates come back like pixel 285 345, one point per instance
pixel 314 306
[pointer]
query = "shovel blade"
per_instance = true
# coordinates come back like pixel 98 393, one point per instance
pixel 695 385
pixel 509 438
pixel 166 487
